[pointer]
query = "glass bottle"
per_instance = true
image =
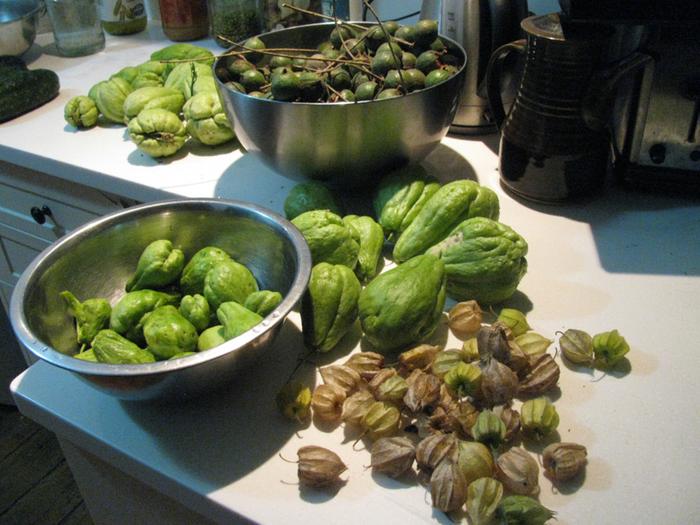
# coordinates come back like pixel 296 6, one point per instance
pixel 76 26
pixel 123 17
pixel 235 20
pixel 184 19
pixel 278 17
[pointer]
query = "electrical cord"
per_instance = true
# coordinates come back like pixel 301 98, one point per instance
pixel 398 19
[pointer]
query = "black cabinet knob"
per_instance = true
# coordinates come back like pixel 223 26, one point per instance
pixel 40 214
pixel 657 153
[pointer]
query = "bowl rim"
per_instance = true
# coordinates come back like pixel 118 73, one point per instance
pixel 222 85
pixel 35 6
pixel 50 254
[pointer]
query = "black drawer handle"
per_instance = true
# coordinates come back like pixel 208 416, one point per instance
pixel 40 214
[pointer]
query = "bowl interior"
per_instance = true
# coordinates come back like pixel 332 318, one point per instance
pixel 11 10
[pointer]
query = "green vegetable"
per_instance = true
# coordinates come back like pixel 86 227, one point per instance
pixel 522 510
pixel 309 196
pixel 158 132
pixel 211 337
pixel 152 97
pixel 370 236
pixel 329 306
pixel 484 260
pixel 403 305
pixel 91 316
pixel 168 333
pixel 110 97
pixel 263 302
pixel 539 416
pixel 195 309
pixel 87 355
pixel 81 112
pixel 182 51
pixel 206 120
pixel 110 347
pixel 190 78
pixel 128 73
pixel 447 207
pixel 329 239
pixel 22 90
pixel 128 311
pixel 228 281
pixel 92 94
pixel 236 319
pixel 182 354
pixel 159 265
pixel 192 280
pixel 609 348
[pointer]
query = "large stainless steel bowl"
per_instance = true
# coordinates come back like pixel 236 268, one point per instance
pixel 346 144
pixel 18 21
pixel 97 259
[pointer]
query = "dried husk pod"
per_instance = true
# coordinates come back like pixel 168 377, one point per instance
pixel 463 379
pixel 367 364
pixel 380 377
pixel 513 319
pixel 518 360
pixel 433 449
pixel 381 420
pixel 356 406
pixel 294 401
pixel 483 497
pixel 499 383
pixel 464 319
pixel 542 377
pixel 470 350
pixel 563 461
pixel 577 346
pixel 462 418
pixel 446 400
pixel 489 429
pixel 533 344
pixel 475 460
pixel 444 361
pixel 420 357
pixel 342 376
pixel 327 402
pixel 518 471
pixel 609 348
pixel 393 456
pixel 511 419
pixel 523 510
pixel 492 342
pixel 439 420
pixel 538 416
pixel 392 389
pixel 319 467
pixel 448 487
pixel 423 391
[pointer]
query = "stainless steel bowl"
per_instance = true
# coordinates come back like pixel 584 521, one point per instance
pixel 346 144
pixel 18 21
pixel 97 259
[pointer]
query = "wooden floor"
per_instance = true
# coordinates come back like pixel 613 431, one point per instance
pixel 36 485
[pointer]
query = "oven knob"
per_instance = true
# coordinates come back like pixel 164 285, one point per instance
pixel 657 153
pixel 695 155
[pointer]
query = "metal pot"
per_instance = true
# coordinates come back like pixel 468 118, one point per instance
pixel 18 21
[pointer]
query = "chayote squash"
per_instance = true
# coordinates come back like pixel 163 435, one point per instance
pixel 309 196
pixel 236 319
pixel 484 260
pixel 110 97
pixel 158 132
pixel 87 355
pixel 182 51
pixel 263 302
pixel 152 97
pixel 369 235
pixel 81 112
pixel 400 196
pixel 403 305
pixel 192 279
pixel 211 337
pixel 126 315
pixel 168 333
pixel 159 265
pixel 329 306
pixel 228 281
pixel 190 78
pixel 195 309
pixel 110 347
pixel 93 90
pixel 150 74
pixel 206 120
pixel 91 316
pixel 330 239
pixel 128 73
pixel 445 209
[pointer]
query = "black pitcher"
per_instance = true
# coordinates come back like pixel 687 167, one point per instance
pixel 554 142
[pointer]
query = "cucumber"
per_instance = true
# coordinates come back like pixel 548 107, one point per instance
pixel 22 90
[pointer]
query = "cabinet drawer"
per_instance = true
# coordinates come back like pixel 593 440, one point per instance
pixel 17 251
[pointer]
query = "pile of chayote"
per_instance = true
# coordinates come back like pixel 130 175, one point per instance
pixel 445 240
pixel 171 308
pixel 163 101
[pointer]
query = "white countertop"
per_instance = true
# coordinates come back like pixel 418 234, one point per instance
pixel 624 260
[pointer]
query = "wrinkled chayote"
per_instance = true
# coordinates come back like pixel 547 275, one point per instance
pixel 92 94
pixel 158 132
pixel 329 306
pixel 211 337
pixel 110 347
pixel 87 355
pixel 182 51
pixel 81 112
pixel 309 196
pixel 206 120
pixel 192 279
pixel 128 73
pixel 484 260
pixel 370 236
pixel 191 78
pixel 263 302
pixel 110 96
pixel 150 74
pixel 236 319
pixel 445 209
pixel 128 311
pixel 159 265
pixel 91 316
pixel 228 281
pixel 195 309
pixel 403 305
pixel 330 239
pixel 152 97
pixel 168 333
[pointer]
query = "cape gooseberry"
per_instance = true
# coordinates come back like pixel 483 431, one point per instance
pixel 563 461
pixel 388 93
pixel 464 318
pixel 539 416
pixel 294 401
pixel 483 497
pixel 252 80
pixel 435 77
pixel 393 456
pixel 489 429
pixel 367 364
pixel 515 320
pixel 577 346
pixel 448 486
pixel 427 61
pixel 366 90
pixel 518 471
pixel 609 348
pixel 423 390
pixel 319 467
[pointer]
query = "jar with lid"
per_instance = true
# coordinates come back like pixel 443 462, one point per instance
pixel 184 19
pixel 278 17
pixel 235 20
pixel 76 26
pixel 123 17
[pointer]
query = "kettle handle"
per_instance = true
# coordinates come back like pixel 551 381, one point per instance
pixel 494 70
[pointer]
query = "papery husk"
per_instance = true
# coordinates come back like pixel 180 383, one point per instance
pixel 381 420
pixel 533 344
pixel 367 364
pixel 511 419
pixel 483 497
pixel 392 390
pixel 475 460
pixel 379 378
pixel 499 383
pixel 319 467
pixel 393 456
pixel 518 471
pixel 356 406
pixel 420 357
pixel 327 402
pixel 519 362
pixel 444 361
pixel 464 319
pixel 563 461
pixel 448 487
pixel 577 346
pixel 489 429
pixel 433 449
pixel 493 343
pixel 423 391
pixel 542 377
pixel 342 376
pixel 462 418
pixel 539 416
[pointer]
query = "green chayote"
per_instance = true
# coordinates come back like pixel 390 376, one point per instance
pixel 329 306
pixel 236 319
pixel 158 132
pixel 152 97
pixel 110 96
pixel 195 309
pixel 263 302
pixel 150 74
pixel 91 316
pixel 484 260
pixel 81 112
pixel 159 265
pixel 87 355
pixel 447 207
pixel 403 305
pixel 211 337
pixel 190 78
pixel 182 354
pixel 370 236
pixel 330 239
pixel 192 280
pixel 206 120
pixel 128 73
pixel 182 51
pixel 309 196
pixel 92 94
pixel 128 311
pixel 228 281
pixel 110 347
pixel 400 196
pixel 168 333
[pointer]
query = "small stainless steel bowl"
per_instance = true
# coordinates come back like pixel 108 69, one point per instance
pixel 97 259
pixel 18 21
pixel 347 144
